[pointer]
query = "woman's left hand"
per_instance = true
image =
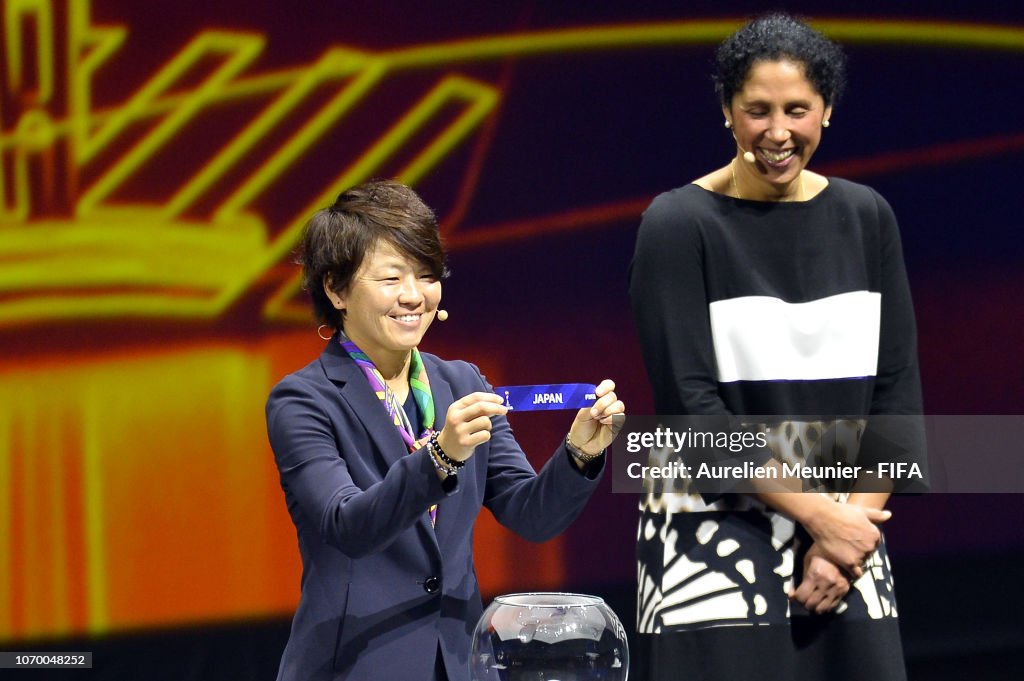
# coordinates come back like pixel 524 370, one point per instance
pixel 824 585
pixel 594 428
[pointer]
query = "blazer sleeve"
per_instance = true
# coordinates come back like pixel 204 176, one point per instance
pixel 313 456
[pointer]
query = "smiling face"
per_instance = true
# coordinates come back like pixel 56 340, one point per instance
pixel 777 115
pixel 389 305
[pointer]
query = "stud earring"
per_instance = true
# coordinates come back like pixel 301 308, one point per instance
pixel 728 124
pixel 825 123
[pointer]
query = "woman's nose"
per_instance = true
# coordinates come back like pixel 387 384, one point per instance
pixel 410 292
pixel 778 131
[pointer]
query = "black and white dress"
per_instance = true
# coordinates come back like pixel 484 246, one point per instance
pixel 750 307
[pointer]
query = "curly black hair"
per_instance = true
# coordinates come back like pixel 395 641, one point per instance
pixel 775 37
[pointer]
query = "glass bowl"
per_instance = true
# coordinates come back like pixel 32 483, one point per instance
pixel 549 637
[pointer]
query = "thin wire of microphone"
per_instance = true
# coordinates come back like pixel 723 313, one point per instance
pixel 748 156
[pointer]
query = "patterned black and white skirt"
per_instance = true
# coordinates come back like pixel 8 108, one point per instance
pixel 712 601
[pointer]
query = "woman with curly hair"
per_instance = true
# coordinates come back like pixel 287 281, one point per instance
pixel 763 288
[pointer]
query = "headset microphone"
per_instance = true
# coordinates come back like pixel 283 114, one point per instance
pixel 748 156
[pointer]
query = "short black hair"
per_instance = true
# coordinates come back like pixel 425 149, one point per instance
pixel 337 239
pixel 776 37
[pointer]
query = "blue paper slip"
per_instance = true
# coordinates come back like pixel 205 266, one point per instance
pixel 546 397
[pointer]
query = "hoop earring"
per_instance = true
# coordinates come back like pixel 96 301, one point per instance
pixel 322 337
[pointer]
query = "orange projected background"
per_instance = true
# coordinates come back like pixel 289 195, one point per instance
pixel 157 165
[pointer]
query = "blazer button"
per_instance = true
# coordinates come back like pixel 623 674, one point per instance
pixel 432 584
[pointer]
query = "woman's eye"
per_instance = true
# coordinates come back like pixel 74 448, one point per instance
pixel 798 113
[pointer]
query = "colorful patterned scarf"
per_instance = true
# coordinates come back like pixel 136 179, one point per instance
pixel 418 383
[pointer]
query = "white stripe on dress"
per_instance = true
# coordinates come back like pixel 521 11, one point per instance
pixel 761 338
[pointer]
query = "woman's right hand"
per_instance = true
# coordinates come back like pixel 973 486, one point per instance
pixel 468 424
pixel 846 534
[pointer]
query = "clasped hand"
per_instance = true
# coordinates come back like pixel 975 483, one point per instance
pixel 847 534
pixel 823 585
pixel 845 537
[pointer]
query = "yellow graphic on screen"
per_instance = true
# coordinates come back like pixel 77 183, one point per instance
pixel 121 470
pixel 122 257
pixel 70 223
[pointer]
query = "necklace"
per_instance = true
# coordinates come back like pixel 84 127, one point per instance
pixel 732 171
pixel 736 187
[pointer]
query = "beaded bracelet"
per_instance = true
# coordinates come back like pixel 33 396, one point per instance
pixel 439 465
pixel 579 454
pixel 447 460
pixel 433 451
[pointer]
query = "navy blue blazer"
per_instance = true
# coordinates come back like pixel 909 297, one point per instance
pixel 381 588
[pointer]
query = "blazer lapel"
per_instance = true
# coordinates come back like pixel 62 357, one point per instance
pixel 355 390
pixel 440 390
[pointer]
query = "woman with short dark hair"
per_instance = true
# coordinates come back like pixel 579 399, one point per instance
pixel 387 454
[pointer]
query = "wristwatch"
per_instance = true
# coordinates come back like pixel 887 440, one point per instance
pixel 579 453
